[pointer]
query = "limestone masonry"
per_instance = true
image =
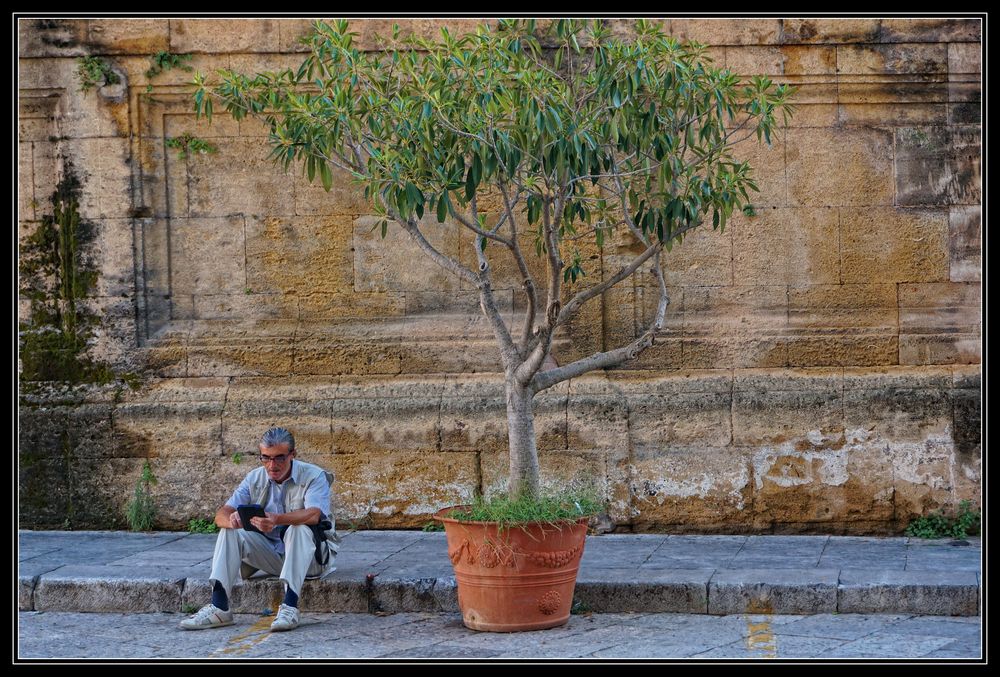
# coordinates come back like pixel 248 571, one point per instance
pixel 818 370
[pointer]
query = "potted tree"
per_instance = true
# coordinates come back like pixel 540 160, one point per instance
pixel 576 139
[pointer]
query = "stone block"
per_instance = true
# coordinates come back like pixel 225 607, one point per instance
pixel 239 179
pixel 835 306
pixel 689 488
pixel 809 60
pixel 768 163
pixel 102 589
pixel 965 101
pixel 814 114
pixel 344 198
pixel 790 591
pixel 319 354
pixel 350 305
pixel 397 263
pixel 128 36
pixel 157 428
pixel 665 591
pixel 657 423
pixel 740 309
pixel 839 167
pixel 597 415
pixel 300 255
pixel 178 120
pixel 940 348
pixel 868 591
pixel 244 421
pixel 885 245
pixel 786 246
pixel 370 427
pixel 931 30
pixel 773 407
pixel 223 35
pixel 965 242
pixel 899 414
pixel 896 59
pixel 112 251
pixel 409 593
pixel 103 168
pixel 208 256
pixel 51 37
pixel 400 488
pixel 36 113
pixel 940 307
pixel 884 114
pixel 965 57
pixel 829 31
pixel 727 32
pixel 241 306
pixel 848 349
pixel 938 165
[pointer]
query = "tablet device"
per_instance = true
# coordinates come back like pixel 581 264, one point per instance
pixel 248 511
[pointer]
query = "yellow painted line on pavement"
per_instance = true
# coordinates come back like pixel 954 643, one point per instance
pixel 252 636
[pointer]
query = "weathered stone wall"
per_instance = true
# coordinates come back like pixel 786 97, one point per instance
pixel 818 370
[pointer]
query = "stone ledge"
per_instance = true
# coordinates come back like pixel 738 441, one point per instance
pixel 937 593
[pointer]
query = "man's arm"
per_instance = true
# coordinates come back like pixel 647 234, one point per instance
pixel 304 516
pixel 228 518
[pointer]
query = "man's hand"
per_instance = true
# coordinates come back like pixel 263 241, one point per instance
pixel 265 524
pixel 234 521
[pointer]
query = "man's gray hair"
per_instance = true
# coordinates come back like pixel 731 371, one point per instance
pixel 275 436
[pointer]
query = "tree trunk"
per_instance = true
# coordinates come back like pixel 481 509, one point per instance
pixel 521 436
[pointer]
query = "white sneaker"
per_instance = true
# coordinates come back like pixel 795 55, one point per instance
pixel 288 619
pixel 209 616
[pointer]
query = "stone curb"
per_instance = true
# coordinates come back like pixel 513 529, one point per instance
pixel 393 572
pixel 720 592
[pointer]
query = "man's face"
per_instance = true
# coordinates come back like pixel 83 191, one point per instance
pixel 277 460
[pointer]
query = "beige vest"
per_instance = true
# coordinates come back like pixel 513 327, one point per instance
pixel 295 497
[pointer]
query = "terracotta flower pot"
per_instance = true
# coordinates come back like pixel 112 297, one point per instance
pixel 518 579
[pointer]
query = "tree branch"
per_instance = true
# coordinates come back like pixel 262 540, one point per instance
pixel 547 379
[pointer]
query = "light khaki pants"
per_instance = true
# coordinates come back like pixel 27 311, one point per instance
pixel 235 546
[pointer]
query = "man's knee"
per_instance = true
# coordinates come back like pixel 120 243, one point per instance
pixel 297 531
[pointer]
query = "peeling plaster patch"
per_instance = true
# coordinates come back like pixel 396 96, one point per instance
pixel 916 462
pixel 788 467
pixel 857 435
pixel 737 493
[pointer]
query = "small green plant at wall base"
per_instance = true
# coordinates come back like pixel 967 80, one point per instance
pixel 202 526
pixel 187 143
pixel 93 72
pixel 189 608
pixel 164 61
pixel 433 526
pixel 238 458
pixel 141 509
pixel 938 525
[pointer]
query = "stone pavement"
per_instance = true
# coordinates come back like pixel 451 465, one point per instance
pixel 409 572
pixel 441 636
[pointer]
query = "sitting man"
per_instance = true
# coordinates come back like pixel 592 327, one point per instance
pixel 294 495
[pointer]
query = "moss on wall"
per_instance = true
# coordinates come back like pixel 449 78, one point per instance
pixel 56 276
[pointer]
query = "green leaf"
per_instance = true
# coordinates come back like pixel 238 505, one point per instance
pixel 442 208
pixel 326 175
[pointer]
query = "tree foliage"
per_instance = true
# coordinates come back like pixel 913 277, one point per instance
pixel 579 133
